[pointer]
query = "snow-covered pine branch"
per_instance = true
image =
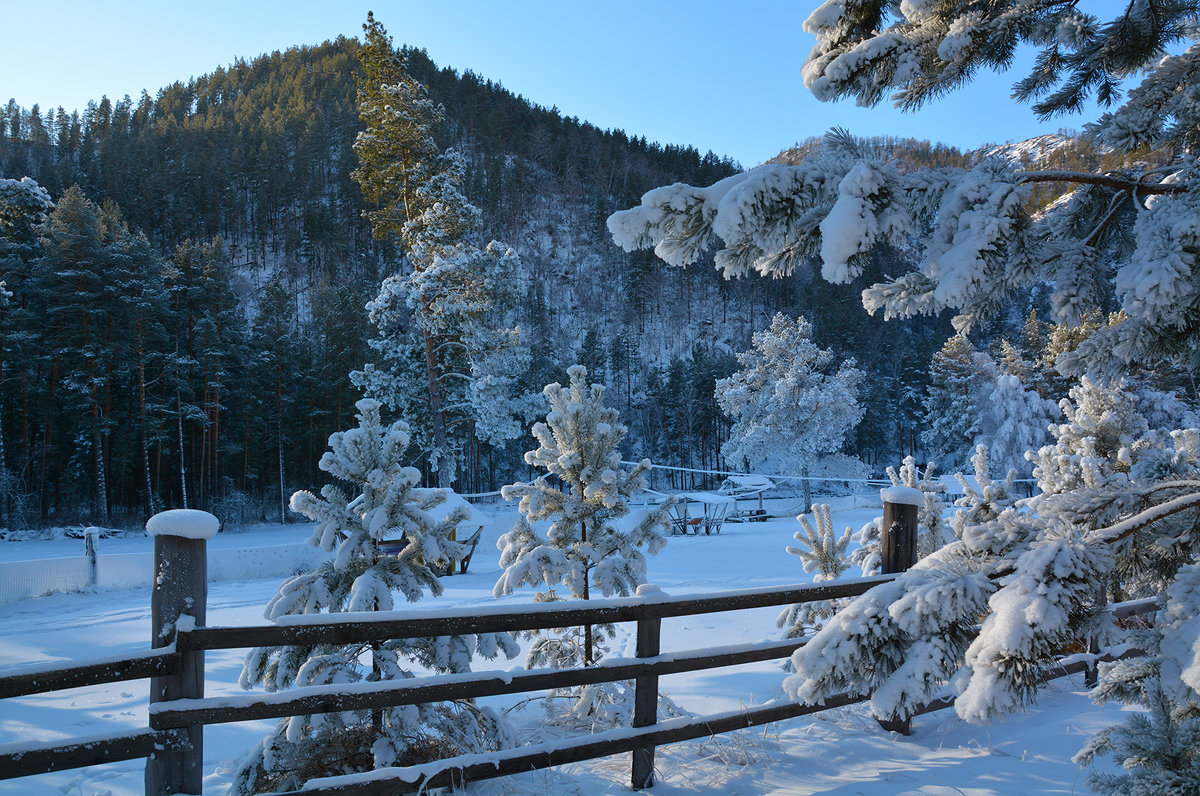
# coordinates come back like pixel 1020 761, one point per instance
pixel 820 550
pixel 1115 519
pixel 1129 229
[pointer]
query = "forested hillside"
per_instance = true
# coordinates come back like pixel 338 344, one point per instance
pixel 182 325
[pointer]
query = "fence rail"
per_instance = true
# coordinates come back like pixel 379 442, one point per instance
pixel 173 744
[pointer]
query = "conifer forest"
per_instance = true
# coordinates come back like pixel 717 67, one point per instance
pixel 188 310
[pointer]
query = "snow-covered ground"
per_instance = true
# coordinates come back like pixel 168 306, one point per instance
pixel 837 752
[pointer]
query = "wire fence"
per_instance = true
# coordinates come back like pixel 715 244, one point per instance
pixel 20 580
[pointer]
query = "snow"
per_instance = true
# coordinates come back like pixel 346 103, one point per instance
pixel 841 751
pixel 184 523
pixel 903 495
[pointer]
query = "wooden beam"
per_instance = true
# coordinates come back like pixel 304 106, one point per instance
pixel 42 680
pixel 515 761
pixel 337 698
pixel 523 617
pixel 22 760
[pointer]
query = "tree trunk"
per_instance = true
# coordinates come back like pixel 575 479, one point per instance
pixel 182 458
pixel 101 484
pixel 807 489
pixel 437 415
pixel 587 629
pixel 5 486
pixel 141 377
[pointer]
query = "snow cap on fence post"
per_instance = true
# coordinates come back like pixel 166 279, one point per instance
pixel 184 523
pixel 902 495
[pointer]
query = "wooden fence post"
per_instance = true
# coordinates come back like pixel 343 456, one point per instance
pixel 90 535
pixel 645 697
pixel 180 590
pixel 898 552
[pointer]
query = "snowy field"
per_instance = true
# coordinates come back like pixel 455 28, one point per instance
pixel 838 752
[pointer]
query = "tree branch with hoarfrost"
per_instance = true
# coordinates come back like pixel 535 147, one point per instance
pixel 1128 234
pixel 982 618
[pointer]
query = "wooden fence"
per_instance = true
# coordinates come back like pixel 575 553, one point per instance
pixel 173 743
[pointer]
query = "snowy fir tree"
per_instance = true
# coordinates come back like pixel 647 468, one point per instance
pixel 952 403
pixel 363 576
pixel 1123 232
pixel 586 549
pixel 792 403
pixel 1013 420
pixel 823 552
pixel 449 362
pixel 985 499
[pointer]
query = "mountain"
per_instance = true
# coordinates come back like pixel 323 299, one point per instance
pixel 259 155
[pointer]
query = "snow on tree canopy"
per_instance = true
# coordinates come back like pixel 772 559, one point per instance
pixel 586 547
pixel 184 523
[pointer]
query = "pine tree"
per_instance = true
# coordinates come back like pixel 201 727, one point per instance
pixel 1113 519
pixel 952 403
pixel 1011 421
pixel 791 407
pixel 824 552
pixel 586 548
pixel 362 576
pixel 452 286
pixel 24 206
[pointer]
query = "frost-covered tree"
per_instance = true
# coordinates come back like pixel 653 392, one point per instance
pixel 586 549
pixel 792 402
pixel 823 552
pixel 1126 232
pixel 985 499
pixel 386 505
pixel 449 356
pixel 1013 420
pixel 1116 510
pixel 957 375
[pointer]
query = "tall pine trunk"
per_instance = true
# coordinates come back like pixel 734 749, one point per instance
pixel 182 458
pixel 437 415
pixel 142 437
pixel 6 487
pixel 101 483
pixel 588 655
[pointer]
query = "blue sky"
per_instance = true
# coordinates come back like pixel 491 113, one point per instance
pixel 700 73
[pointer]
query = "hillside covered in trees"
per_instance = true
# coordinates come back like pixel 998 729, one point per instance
pixel 185 316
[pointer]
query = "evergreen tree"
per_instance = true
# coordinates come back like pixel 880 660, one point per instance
pixel 362 576
pixel 586 548
pixel 276 340
pixel 1113 520
pixel 1013 420
pixel 24 206
pixel 953 402
pixel 791 407
pixel 452 285
pixel 821 550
